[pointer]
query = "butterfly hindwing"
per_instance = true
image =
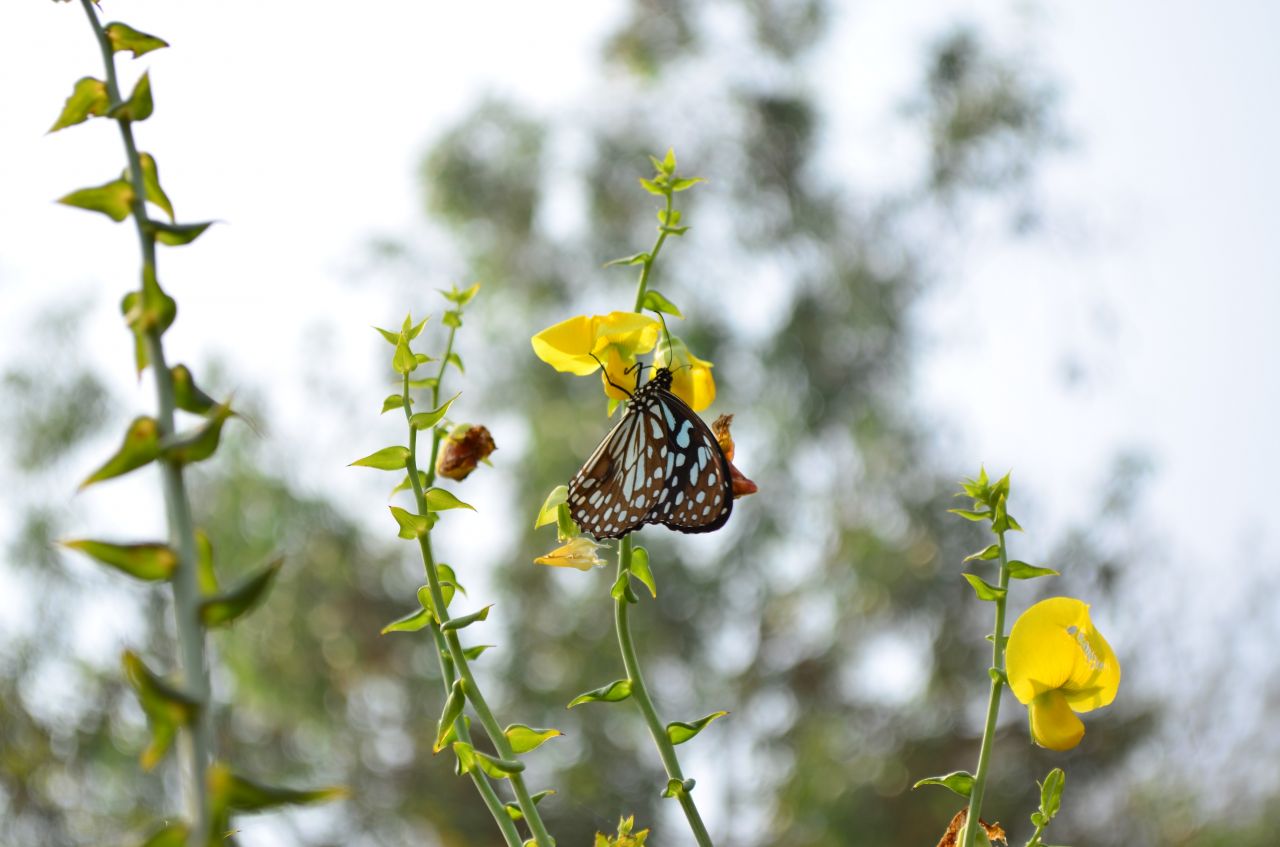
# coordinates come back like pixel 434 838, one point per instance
pixel 659 464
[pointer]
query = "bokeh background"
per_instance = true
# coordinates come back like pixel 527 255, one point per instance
pixel 1038 236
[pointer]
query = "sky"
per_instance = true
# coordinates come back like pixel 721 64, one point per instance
pixel 1141 316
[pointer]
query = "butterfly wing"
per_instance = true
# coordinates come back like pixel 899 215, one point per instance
pixel 613 492
pixel 697 495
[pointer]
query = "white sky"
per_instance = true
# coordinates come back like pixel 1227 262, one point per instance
pixel 1157 278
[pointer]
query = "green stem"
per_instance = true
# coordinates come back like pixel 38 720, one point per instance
pixel 640 694
pixel 453 644
pixel 197 747
pixel 647 267
pixel 993 704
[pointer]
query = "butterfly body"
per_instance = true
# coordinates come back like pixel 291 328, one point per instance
pixel 660 464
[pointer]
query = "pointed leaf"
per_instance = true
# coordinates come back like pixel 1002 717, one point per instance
pixel 473 653
pixel 245 795
pixel 187 396
pixel 426 420
pixel 152 562
pixel 461 298
pixel 205 576
pixel 438 500
pixel 466 620
pixel 429 382
pixel 392 401
pixel 198 445
pixel 403 361
pixel 387 459
pixel 416 330
pixel 961 782
pixel 611 693
pixel 1051 792
pixel 621 589
pixel 640 570
pixel 141 446
pixel 418 619
pixel 1021 570
pixel 669 162
pixel 452 710
pixel 633 259
pixel 411 526
pixel 456 360
pixel 496 767
pixel 226 607
pixel 971 515
pixel 139 105
pixel 985 554
pixel 547 514
pixel 428 603
pixel 524 738
pixel 88 99
pixel 679 732
pixel 406 483
pixel 655 302
pixel 513 809
pixel 452 318
pixel 166 707
pixel 393 338
pixel 125 37
pixel 984 590
pixel 176 235
pixel 113 199
pixel 652 187
pixel 686 184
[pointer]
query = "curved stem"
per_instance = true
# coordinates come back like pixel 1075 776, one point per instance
pixel 640 694
pixel 993 704
pixel 197 747
pixel 451 641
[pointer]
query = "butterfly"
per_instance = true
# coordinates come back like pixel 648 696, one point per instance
pixel 660 464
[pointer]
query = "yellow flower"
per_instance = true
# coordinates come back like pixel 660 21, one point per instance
pixel 1058 665
pixel 579 553
pixel 691 378
pixel 580 344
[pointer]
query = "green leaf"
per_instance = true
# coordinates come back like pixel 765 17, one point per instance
pixel 426 420
pixel 226 607
pixel 414 331
pixel 428 603
pixel 513 809
pixel 1021 570
pixel 473 653
pixel 524 738
pixel 679 732
pixel 422 358
pixel 429 382
pixel 686 184
pixel 438 500
pixel 167 708
pixel 640 570
pixel 669 162
pixel 196 446
pixel 455 360
pixel 406 483
pixel 466 620
pixel 633 259
pixel 452 318
pixel 205 576
pixel 139 105
pixel 417 619
pixel 387 459
pixel 971 515
pixel 984 589
pixel 621 589
pixel 547 514
pixel 88 99
pixel 655 302
pixel 248 796
pixel 176 235
pixel 452 709
pixel 611 693
pixel 141 446
pixel 392 401
pixel 990 552
pixel 113 199
pixel 151 184
pixel 961 782
pixel 461 298
pixel 652 187
pixel 496 767
pixel 997 675
pixel 125 37
pixel 152 562
pixel 403 361
pixel 1051 792
pixel 173 834
pixel 466 756
pixel 448 576
pixel 393 338
pixel 411 526
pixel 187 396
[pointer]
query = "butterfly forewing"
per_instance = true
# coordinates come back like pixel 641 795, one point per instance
pixel 659 464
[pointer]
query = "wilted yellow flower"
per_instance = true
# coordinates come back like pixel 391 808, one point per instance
pixel 580 344
pixel 691 378
pixel 1057 665
pixel 579 553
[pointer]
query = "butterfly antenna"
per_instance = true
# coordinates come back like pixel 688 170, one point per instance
pixel 608 379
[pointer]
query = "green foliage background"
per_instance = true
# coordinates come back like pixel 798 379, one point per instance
pixel 847 548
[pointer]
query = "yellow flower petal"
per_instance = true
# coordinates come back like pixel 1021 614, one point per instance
pixel 691 378
pixel 1054 645
pixel 630 332
pixel 1053 724
pixel 618 378
pixel 568 345
pixel 579 553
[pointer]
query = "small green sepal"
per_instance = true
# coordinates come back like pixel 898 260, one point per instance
pixel 640 570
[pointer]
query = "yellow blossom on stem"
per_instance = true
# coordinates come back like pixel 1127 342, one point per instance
pixel 580 344
pixel 1059 665
pixel 691 378
pixel 579 553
